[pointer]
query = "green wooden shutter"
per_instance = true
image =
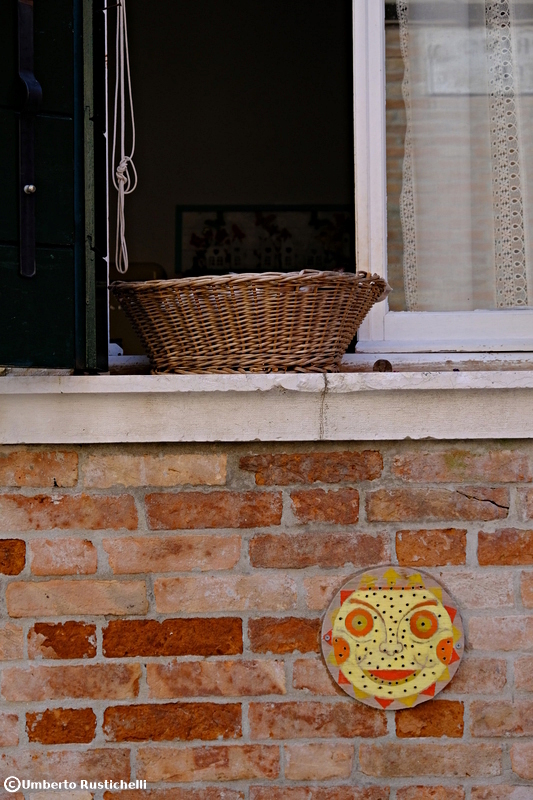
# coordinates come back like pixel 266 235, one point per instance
pixel 53 319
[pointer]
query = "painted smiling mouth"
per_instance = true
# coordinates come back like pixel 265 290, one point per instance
pixel 387 676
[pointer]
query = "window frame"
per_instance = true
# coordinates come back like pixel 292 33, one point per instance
pixel 385 331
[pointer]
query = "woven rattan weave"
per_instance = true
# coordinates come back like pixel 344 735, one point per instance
pixel 270 322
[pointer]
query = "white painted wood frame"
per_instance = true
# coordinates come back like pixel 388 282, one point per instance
pixel 386 331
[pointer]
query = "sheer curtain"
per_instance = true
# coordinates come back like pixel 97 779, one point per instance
pixel 466 202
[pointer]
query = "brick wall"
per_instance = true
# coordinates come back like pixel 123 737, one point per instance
pixel 161 609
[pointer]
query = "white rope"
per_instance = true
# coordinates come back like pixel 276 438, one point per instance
pixel 124 174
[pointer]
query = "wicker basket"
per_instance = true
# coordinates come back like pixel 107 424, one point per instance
pixel 270 322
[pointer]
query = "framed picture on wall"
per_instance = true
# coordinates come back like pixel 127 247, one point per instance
pixel 213 240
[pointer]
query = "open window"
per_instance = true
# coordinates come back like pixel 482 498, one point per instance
pixel 444 173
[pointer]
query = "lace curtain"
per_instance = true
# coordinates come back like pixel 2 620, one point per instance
pixel 466 202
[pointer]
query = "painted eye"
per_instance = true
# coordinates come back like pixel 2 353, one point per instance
pixel 424 624
pixel 359 622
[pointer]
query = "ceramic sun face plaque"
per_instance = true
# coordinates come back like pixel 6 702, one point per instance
pixel 392 637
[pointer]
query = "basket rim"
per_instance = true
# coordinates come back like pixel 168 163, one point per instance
pixel 304 276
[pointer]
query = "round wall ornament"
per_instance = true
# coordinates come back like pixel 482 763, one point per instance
pixel 392 637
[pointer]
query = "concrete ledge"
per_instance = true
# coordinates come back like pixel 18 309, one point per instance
pixel 346 406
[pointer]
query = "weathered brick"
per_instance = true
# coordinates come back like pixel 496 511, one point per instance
pixel 63 597
pixel 236 763
pixel 337 467
pixel 68 794
pixel 275 635
pixel 95 681
pixel 172 553
pixel 63 557
pixel 501 718
pixel 38 468
pixel 525 503
pixel 309 674
pixel 175 793
pixel 437 718
pixel 209 678
pixel 318 762
pixel 430 793
pixel 296 551
pixel 169 721
pixel 507 547
pixel 213 510
pixel 101 470
pixel 44 512
pixel 319 793
pixel 501 792
pixel 522 760
pixel 62 640
pixel 61 726
pixel 319 590
pixel 11 642
pixel 431 548
pixel 526 589
pixel 479 676
pixel 499 466
pixel 225 593
pixel 413 505
pixel 53 765
pixel 12 556
pixel 310 719
pixel 219 636
pixel 339 506
pixel 488 588
pixel 393 760
pixel 523 674
pixel 9 735
pixel 501 633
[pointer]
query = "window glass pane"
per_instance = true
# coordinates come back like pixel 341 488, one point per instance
pixel 460 154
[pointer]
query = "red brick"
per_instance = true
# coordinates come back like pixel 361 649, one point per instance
pixel 285 635
pixel 430 793
pixel 12 556
pixel 522 760
pixel 296 551
pixel 103 470
pixel 318 762
pixel 403 760
pixel 44 512
pixel 526 589
pixel 61 726
pixel 213 510
pixel 67 597
pixel 53 765
pixel 501 633
pixel 525 503
pixel 311 719
pixel 501 718
pixel 319 589
pixel 175 793
pixel 431 548
pixel 319 792
pixel 500 792
pixel 95 681
pixel 234 763
pixel 337 467
pixel 523 674
pixel 219 636
pixel 437 718
pixel 340 506
pixel 503 466
pixel 479 676
pixel 62 640
pixel 204 593
pixel 309 674
pixel 507 547
pixel 9 736
pixel 169 721
pixel 11 642
pixel 63 557
pixel 413 505
pixel 175 553
pixel 38 468
pixel 215 679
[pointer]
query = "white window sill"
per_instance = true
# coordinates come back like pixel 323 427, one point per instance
pixel 239 408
